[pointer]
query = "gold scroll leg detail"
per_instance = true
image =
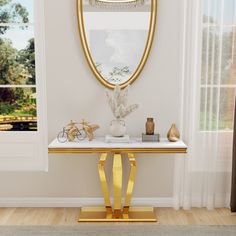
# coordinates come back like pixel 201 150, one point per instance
pixel 103 180
pixel 117 185
pixel 130 185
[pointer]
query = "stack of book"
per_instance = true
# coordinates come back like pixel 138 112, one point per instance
pixel 150 138
pixel 111 139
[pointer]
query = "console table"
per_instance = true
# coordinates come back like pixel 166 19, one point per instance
pixel 118 212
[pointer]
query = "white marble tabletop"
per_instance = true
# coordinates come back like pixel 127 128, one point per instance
pixel 135 145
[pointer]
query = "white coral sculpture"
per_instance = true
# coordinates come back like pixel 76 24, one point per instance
pixel 118 102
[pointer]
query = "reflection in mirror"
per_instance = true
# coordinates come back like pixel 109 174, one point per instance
pixel 116 39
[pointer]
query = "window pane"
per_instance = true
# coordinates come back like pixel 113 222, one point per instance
pixel 208 109
pixel 18 109
pixel 227 59
pixel 218 11
pixel 210 55
pixel 17 56
pixel 229 9
pixel 211 11
pixel 217 109
pixel 227 96
pixel 16 11
pixel 218 56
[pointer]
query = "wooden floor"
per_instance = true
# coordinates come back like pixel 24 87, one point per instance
pixel 69 216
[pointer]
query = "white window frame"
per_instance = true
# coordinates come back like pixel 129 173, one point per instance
pixel 200 85
pixel 190 64
pixel 22 150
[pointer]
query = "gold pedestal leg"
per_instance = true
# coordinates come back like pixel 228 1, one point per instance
pixel 127 214
pixel 103 180
pixel 130 184
pixel 117 185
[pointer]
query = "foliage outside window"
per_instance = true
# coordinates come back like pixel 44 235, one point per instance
pixel 218 73
pixel 17 66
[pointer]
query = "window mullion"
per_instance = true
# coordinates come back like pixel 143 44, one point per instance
pixel 16 24
pixel 207 62
pixel 219 64
pixel 210 116
pixel 18 86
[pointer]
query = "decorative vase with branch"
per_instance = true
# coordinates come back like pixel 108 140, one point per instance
pixel 118 102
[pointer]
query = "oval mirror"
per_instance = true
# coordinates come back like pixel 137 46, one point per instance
pixel 116 37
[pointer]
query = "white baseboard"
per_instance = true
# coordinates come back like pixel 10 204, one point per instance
pixel 78 202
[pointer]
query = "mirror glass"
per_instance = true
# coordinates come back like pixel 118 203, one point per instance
pixel 116 39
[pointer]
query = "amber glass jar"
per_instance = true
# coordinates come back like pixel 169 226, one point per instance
pixel 150 126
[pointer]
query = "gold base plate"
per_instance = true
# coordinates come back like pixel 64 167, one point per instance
pixel 99 214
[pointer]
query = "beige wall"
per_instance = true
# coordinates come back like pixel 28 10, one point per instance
pixel 74 93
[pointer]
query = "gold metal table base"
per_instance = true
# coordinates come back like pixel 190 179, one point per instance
pixel 119 212
pixel 135 214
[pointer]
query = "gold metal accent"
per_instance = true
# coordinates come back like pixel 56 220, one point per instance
pixel 118 213
pixel 130 185
pixel 117 185
pixel 152 26
pixel 136 214
pixel 117 150
pixel 105 190
pixel 116 3
pixel 173 134
pixel 89 129
pixel 12 119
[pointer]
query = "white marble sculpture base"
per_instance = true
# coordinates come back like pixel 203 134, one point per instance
pixel 111 139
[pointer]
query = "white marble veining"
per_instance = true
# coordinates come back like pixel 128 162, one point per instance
pixel 99 142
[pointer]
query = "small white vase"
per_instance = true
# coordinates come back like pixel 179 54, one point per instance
pixel 117 128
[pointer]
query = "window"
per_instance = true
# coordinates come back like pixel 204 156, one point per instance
pixel 23 140
pixel 218 69
pixel 208 85
pixel 17 66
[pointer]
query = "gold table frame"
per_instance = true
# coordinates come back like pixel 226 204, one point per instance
pixel 117 213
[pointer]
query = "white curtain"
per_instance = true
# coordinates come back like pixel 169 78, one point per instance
pixel 203 177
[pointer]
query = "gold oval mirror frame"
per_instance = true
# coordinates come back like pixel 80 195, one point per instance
pixel 136 73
